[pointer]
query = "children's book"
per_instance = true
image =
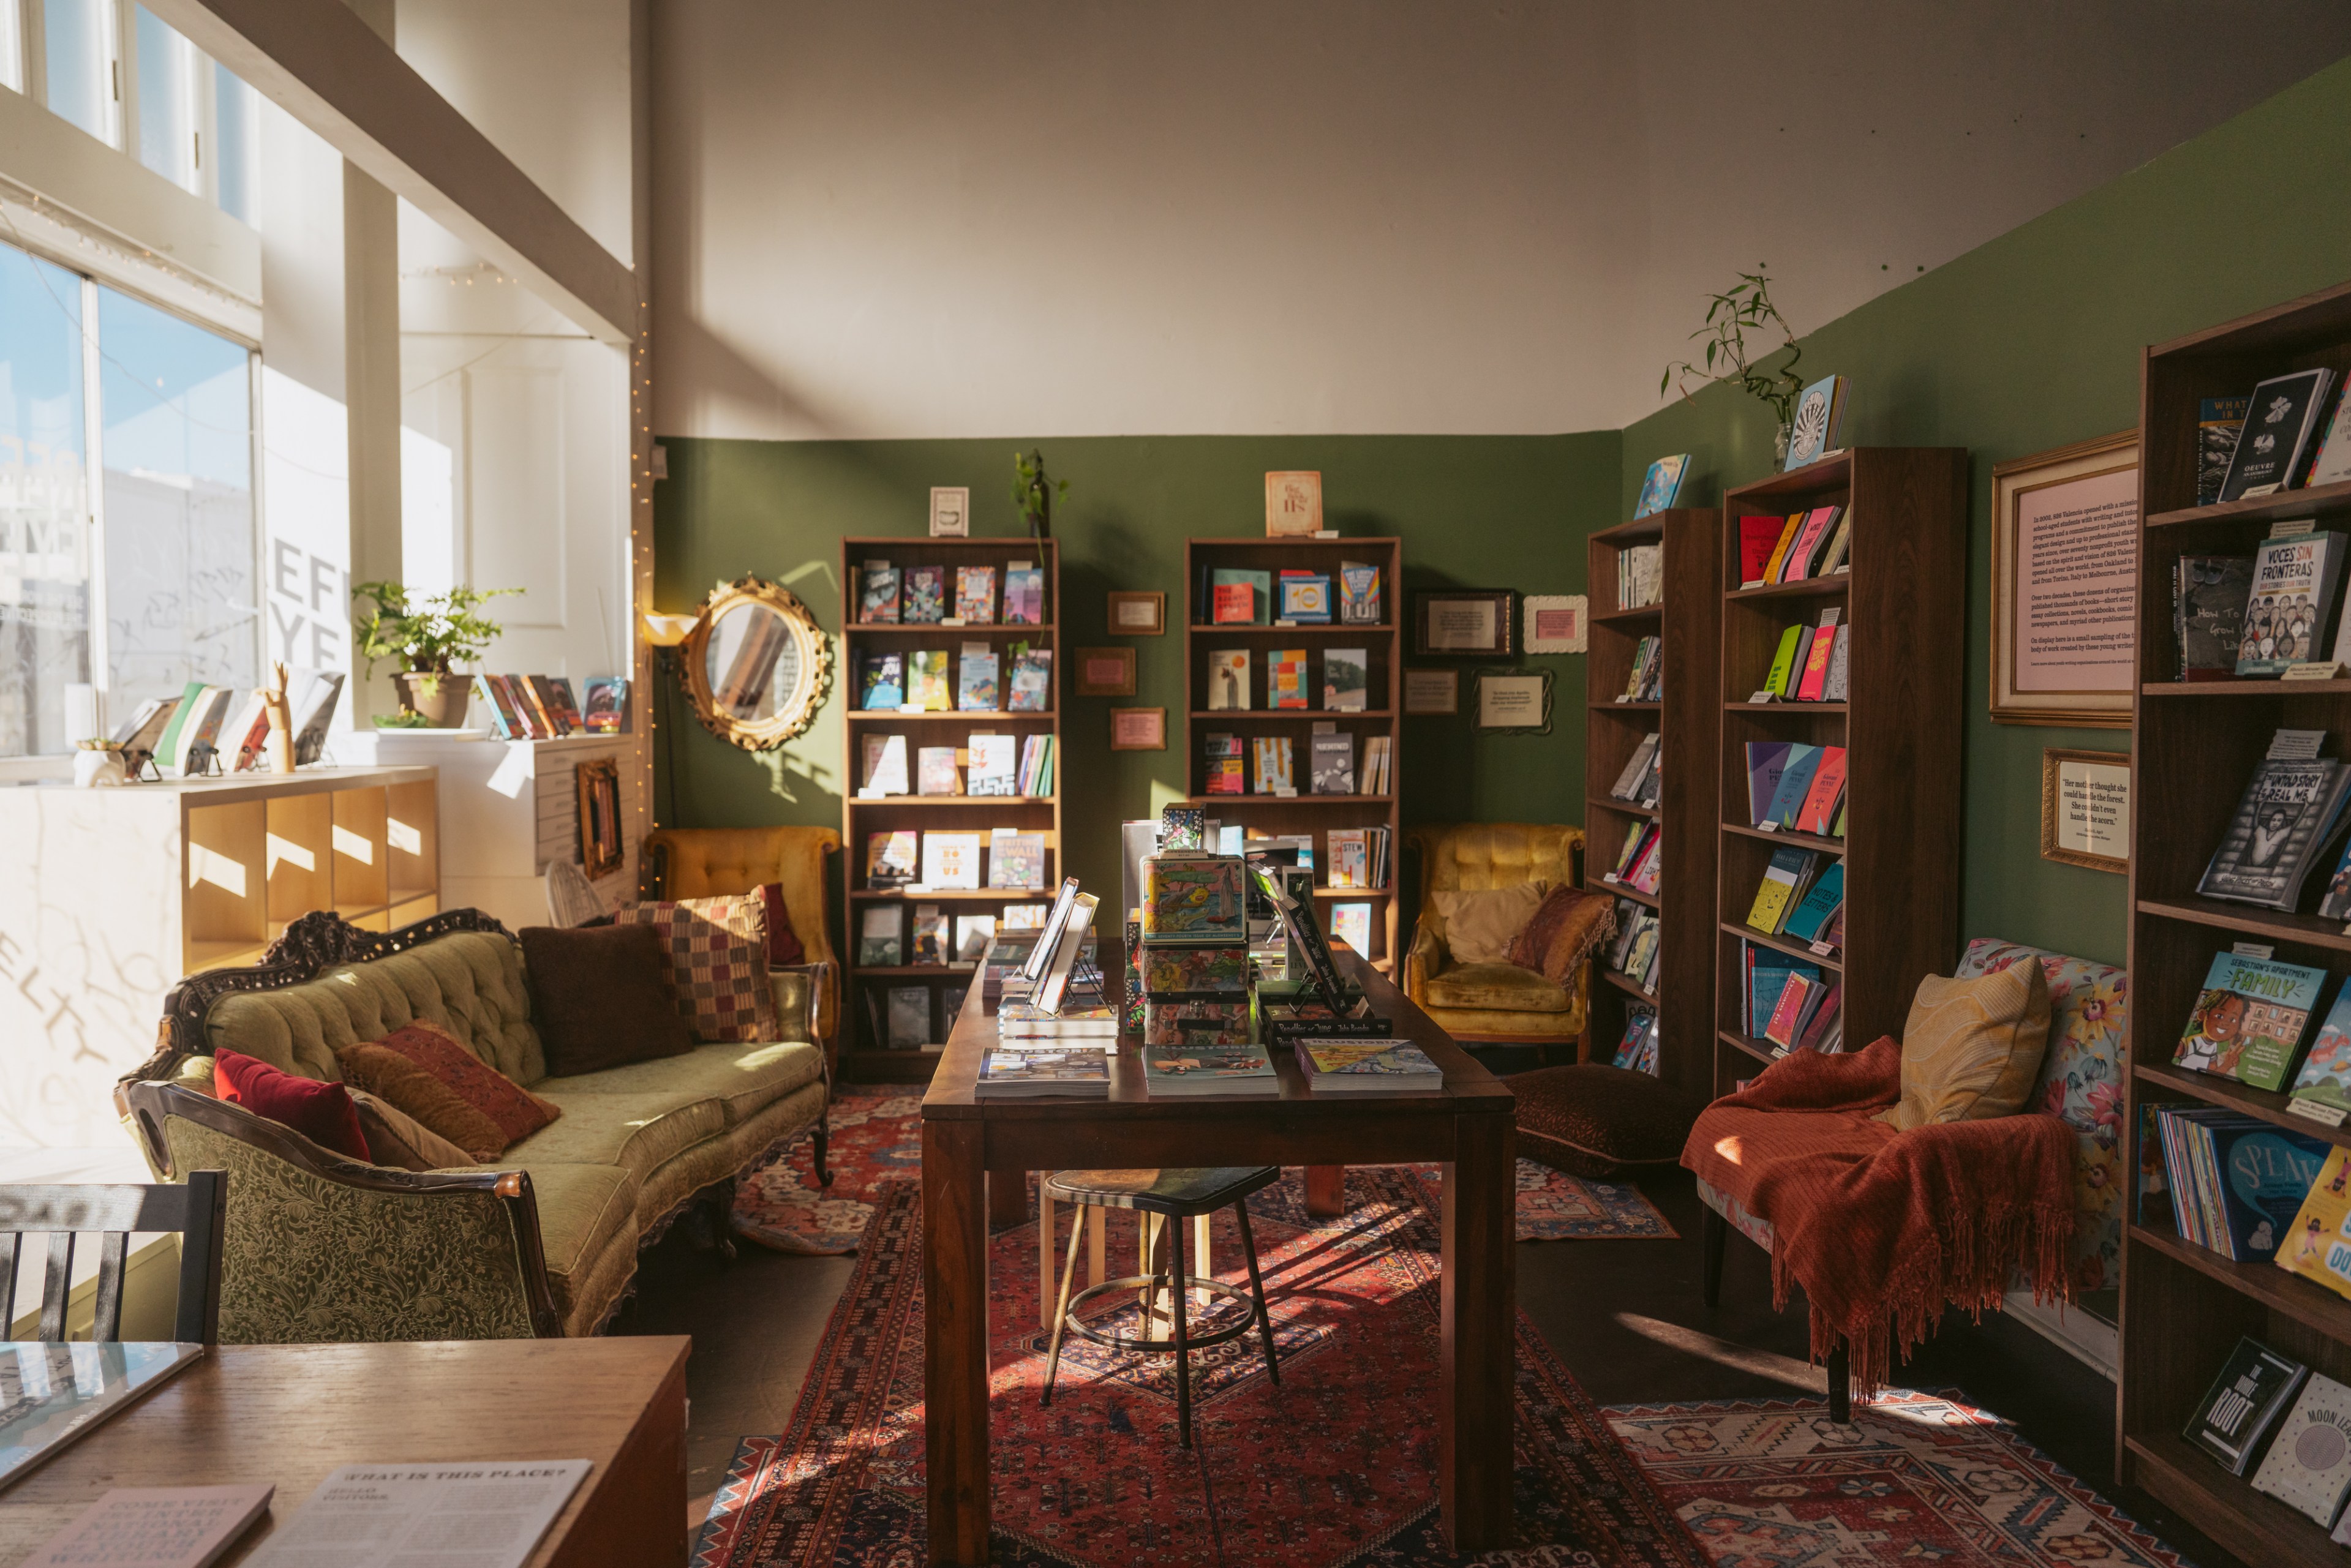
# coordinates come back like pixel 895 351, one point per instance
pixel 891 857
pixel 1032 680
pixel 975 594
pixel 1016 859
pixel 1346 679
pixel 950 860
pixel 2318 1248
pixel 2326 1075
pixel 1024 594
pixel 883 683
pixel 2296 580
pixel 885 765
pixel 2250 1020
pixel 1285 678
pixel 926 681
pixel 976 679
pixel 608 704
pixel 991 771
pixel 1661 484
pixel 926 594
pixel 877 599
pixel 2241 1408
pixel 935 773
pixel 1228 678
pixel 1359 593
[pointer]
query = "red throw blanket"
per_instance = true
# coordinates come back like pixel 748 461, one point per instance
pixel 1884 1230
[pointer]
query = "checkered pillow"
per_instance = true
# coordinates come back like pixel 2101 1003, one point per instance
pixel 718 958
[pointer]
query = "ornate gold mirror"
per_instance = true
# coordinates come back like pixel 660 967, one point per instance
pixel 756 664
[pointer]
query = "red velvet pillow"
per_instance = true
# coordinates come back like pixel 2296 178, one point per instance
pixel 518 1111
pixel 783 943
pixel 322 1113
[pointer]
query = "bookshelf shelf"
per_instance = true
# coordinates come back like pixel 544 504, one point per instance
pixel 2193 749
pixel 1900 725
pixel 866 1053
pixel 1306 813
pixel 1686 620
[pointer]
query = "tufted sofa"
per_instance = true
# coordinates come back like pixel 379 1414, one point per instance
pixel 1493 1003
pixel 714 863
pixel 543 1242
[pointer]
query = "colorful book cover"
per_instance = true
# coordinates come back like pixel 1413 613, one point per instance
pixel 2295 580
pixel 1776 893
pixel 935 770
pixel 1810 537
pixel 1811 685
pixel 1305 597
pixel 1359 593
pixel 926 681
pixel 926 595
pixel 992 767
pixel 1346 679
pixel 1795 783
pixel 1791 1011
pixel 1783 661
pixel 2263 1172
pixel 1223 774
pixel 1825 791
pixel 1273 759
pixel 1766 761
pixel 951 859
pixel 2326 1075
pixel 891 857
pixel 883 684
pixel 1812 429
pixel 1330 764
pixel 1016 859
pixel 1032 681
pixel 607 709
pixel 877 599
pixel 1821 901
pixel 2249 1019
pixel 975 594
pixel 1783 542
pixel 1661 484
pixel 1758 535
pixel 1193 898
pixel 1285 680
pixel 2318 1246
pixel 1241 596
pixel 1228 678
pixel 976 679
pixel 1024 594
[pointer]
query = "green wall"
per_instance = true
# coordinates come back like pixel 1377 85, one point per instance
pixel 2032 341
pixel 1473 512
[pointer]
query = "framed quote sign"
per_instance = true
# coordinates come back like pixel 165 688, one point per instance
pixel 2086 809
pixel 1472 625
pixel 2064 575
pixel 1138 730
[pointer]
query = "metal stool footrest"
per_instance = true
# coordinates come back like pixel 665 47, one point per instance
pixel 1195 1341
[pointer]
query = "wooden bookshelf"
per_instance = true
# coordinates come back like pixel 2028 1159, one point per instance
pixel 2194 746
pixel 866 1055
pixel 1900 725
pixel 1686 720
pixel 1263 816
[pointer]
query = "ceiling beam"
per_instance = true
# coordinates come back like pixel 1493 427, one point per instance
pixel 328 69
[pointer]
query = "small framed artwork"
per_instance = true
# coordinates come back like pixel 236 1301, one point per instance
pixel 2064 582
pixel 1138 614
pixel 1138 730
pixel 1293 503
pixel 1474 624
pixel 1514 701
pixel 1105 672
pixel 1432 691
pixel 1556 622
pixel 599 817
pixel 950 512
pixel 2086 809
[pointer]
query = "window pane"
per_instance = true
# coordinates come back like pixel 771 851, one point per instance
pixel 12 50
pixel 44 505
pixel 177 405
pixel 167 102
pixel 236 141
pixel 78 40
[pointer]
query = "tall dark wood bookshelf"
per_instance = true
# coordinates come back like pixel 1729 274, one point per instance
pixel 2195 746
pixel 1900 725
pixel 867 1056
pixel 1306 813
pixel 1686 719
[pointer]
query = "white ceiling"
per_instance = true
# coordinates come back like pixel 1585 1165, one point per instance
pixel 930 218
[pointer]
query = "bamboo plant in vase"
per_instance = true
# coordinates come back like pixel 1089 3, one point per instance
pixel 428 634
pixel 1730 316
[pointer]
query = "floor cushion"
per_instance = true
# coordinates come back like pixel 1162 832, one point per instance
pixel 638 1131
pixel 1503 987
pixel 743 1079
pixel 1972 1049
pixel 1592 1120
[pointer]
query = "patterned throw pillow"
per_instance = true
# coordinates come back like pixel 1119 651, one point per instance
pixel 718 960
pixel 399 1082
pixel 518 1111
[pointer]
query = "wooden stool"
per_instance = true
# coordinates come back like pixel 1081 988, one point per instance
pixel 1164 1195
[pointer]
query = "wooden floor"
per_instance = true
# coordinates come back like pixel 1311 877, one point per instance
pixel 1623 1315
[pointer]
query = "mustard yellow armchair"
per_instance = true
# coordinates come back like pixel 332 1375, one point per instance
pixel 1493 1003
pixel 711 862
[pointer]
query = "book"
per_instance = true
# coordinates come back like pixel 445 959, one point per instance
pixel 881 683
pixel 1793 1011
pixel 880 937
pixel 1783 883
pixel 1024 594
pixel 1359 595
pixel 1346 679
pixel 950 860
pixel 1783 661
pixel 2296 579
pixel 991 771
pixel 1351 860
pixel 1021 1074
pixel 975 599
pixel 1839 686
pixel 2282 824
pixel 2280 422
pixel 2324 1078
pixel 877 596
pixel 202 744
pixel 2330 462
pixel 1824 795
pixel 1811 683
pixel 1222 773
pixel 1758 536
pixel 926 681
pixel 2308 1465
pixel 2218 421
pixel 1015 859
pixel 2208 594
pixel 1032 681
pixel 2317 1247
pixel 1305 597
pixel 1636 768
pixel 605 710
pixel 1037 755
pixel 1183 1069
pixel 561 703
pixel 1661 484
pixel 1766 761
pixel 976 679
pixel 1820 903
pixel 891 857
pixel 1649 866
pixel 1330 765
pixel 885 765
pixel 2240 1410
pixel 1365 1067
pixel 1352 924
pixel 1812 429
pixel 155 1527
pixel 1795 784
pixel 1832 556
pixel 909 1015
pixel 1270 758
pixel 1229 679
pixel 1782 543
pixel 377 1515
pixel 1240 596
pixel 528 718
pixel 167 747
pixel 930 944
pixel 971 934
pixel 1285 678
pixel 1810 535
pixel 935 772
pixel 2249 1019
pixel 925 595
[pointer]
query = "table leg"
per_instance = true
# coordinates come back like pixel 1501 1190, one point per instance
pixel 1007 1199
pixel 954 1342
pixel 1326 1191
pixel 1045 1275
pixel 1480 1301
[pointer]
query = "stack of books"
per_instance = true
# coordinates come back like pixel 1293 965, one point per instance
pixel 1635 953
pixel 1639 782
pixel 1641 862
pixel 1797 787
pixel 1379 769
pixel 529 708
pixel 1766 972
pixel 1359 857
pixel 2283 1424
pixel 1813 664
pixel 1805 1017
pixel 2236 1182
pixel 1791 549
pixel 1637 1050
pixel 1640 575
pixel 1645 683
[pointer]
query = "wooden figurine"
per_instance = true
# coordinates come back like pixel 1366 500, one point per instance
pixel 281 721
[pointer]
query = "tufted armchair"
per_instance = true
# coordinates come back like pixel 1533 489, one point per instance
pixel 711 862
pixel 1493 1003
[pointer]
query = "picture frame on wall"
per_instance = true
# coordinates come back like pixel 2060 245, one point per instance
pixel 1293 503
pixel 1429 692
pixel 1514 701
pixel 2064 575
pixel 1138 730
pixel 1105 672
pixel 1474 624
pixel 2086 807
pixel 599 786
pixel 1556 622
pixel 1137 614
pixel 950 511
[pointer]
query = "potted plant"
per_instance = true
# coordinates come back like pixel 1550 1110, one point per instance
pixel 1729 315
pixel 1034 494
pixel 428 634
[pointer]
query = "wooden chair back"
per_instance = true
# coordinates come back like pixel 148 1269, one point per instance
pixel 197 1210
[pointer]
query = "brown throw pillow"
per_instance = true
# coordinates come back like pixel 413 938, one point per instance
pixel 718 962
pixel 1567 926
pixel 399 1082
pixel 396 1138
pixel 1590 1119
pixel 518 1111
pixel 601 996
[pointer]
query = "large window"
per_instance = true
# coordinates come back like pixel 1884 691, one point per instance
pixel 82 78
pixel 45 536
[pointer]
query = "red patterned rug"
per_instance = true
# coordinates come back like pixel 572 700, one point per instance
pixel 877 1137
pixel 1336 1465
pixel 1916 1478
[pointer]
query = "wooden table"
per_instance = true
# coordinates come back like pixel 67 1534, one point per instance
pixel 1468 1128
pixel 290 1414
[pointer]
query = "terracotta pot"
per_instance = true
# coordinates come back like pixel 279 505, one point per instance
pixel 439 700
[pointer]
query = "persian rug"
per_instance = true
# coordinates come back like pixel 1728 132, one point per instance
pixel 1917 1477
pixel 1333 1467
pixel 877 1135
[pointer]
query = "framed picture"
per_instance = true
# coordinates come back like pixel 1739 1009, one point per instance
pixel 1514 700
pixel 1138 730
pixel 599 817
pixel 950 512
pixel 1138 614
pixel 1105 672
pixel 1556 622
pixel 2064 572
pixel 1432 691
pixel 1474 624
pixel 1293 503
pixel 2086 809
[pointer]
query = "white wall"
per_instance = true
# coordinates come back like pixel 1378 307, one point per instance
pixel 1035 217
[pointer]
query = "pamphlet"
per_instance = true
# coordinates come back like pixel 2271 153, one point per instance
pixel 485 1515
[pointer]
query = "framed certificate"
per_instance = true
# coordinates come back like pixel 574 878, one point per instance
pixel 1474 624
pixel 2064 577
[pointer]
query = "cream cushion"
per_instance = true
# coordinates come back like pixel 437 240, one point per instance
pixel 1478 926
pixel 1972 1049
pixel 397 1139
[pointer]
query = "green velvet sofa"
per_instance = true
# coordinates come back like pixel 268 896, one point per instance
pixel 544 1242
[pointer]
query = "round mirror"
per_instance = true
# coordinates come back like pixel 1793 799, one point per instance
pixel 756 664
